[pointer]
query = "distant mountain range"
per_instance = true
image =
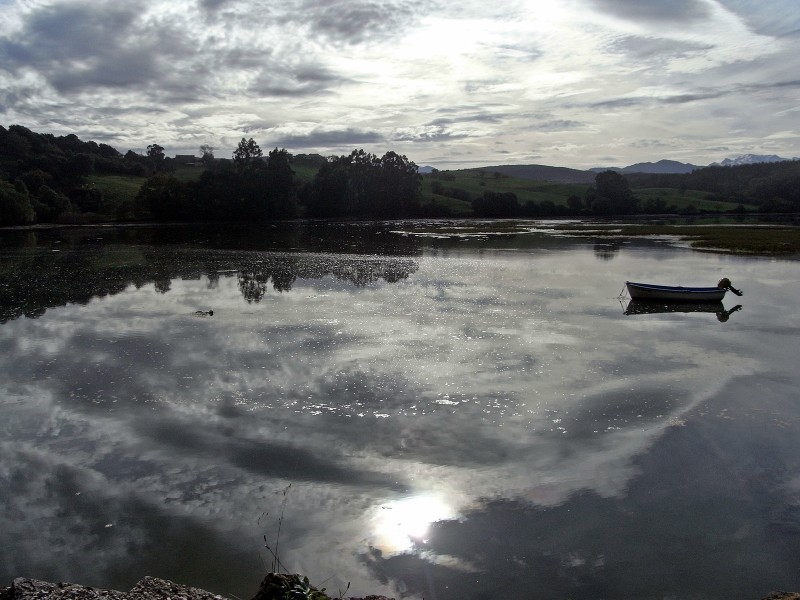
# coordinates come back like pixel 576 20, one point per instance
pixel 751 159
pixel 660 167
pixel 566 175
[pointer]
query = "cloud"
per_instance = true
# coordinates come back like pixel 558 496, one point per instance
pixel 77 45
pixel 660 50
pixel 295 80
pixel 654 10
pixel 359 21
pixel 439 80
pixel 656 100
pixel 327 138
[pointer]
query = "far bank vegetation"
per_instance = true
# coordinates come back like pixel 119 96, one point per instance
pixel 62 179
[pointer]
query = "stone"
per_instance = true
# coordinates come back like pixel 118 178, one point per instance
pixel 149 588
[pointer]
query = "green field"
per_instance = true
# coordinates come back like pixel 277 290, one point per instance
pixel 684 199
pixel 475 181
pixel 188 173
pixel 116 189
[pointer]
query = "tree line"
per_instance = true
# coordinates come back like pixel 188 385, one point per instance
pixel 44 178
pixel 260 188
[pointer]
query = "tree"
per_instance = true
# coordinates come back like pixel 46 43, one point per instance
pixel 15 204
pixel 363 185
pixel 612 195
pixel 399 184
pixel 155 155
pixel 246 153
pixel 280 182
pixel 207 155
pixel 165 198
pixel 50 205
pixel 328 190
pixel 155 152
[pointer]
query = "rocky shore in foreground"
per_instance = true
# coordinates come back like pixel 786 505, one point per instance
pixel 274 587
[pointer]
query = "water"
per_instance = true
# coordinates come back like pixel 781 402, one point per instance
pixel 421 415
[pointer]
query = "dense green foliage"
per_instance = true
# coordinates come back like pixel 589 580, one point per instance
pixel 49 176
pixel 249 188
pixel 363 185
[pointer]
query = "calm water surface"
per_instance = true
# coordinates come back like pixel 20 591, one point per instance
pixel 417 413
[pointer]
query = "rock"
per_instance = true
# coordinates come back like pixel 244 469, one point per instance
pixel 148 588
pixel 152 588
pixel 782 596
pixel 33 589
pixel 276 585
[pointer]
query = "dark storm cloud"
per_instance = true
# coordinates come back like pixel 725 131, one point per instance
pixel 354 22
pixel 654 10
pixel 327 139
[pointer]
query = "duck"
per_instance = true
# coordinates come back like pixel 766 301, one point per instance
pixel 204 313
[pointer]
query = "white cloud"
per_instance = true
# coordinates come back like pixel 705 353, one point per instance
pixel 70 66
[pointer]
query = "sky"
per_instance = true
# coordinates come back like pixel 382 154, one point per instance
pixel 451 84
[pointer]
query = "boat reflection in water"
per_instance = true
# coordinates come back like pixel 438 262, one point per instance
pixel 649 307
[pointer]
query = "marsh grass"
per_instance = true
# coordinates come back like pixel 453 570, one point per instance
pixel 279 584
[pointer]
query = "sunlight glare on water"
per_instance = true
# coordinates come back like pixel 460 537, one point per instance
pixel 400 524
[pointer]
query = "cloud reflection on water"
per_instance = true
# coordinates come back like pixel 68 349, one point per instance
pixel 492 376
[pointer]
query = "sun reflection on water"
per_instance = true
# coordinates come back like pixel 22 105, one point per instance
pixel 400 524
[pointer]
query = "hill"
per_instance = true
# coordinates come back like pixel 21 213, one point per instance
pixel 750 159
pixel 544 173
pixel 662 166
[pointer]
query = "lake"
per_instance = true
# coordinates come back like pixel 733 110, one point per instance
pixel 423 410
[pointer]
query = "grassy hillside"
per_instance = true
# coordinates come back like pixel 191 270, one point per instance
pixel 543 173
pixel 476 181
pixel 118 191
pixel 473 183
pixel 684 199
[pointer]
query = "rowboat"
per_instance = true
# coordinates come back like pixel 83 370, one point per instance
pixel 675 293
